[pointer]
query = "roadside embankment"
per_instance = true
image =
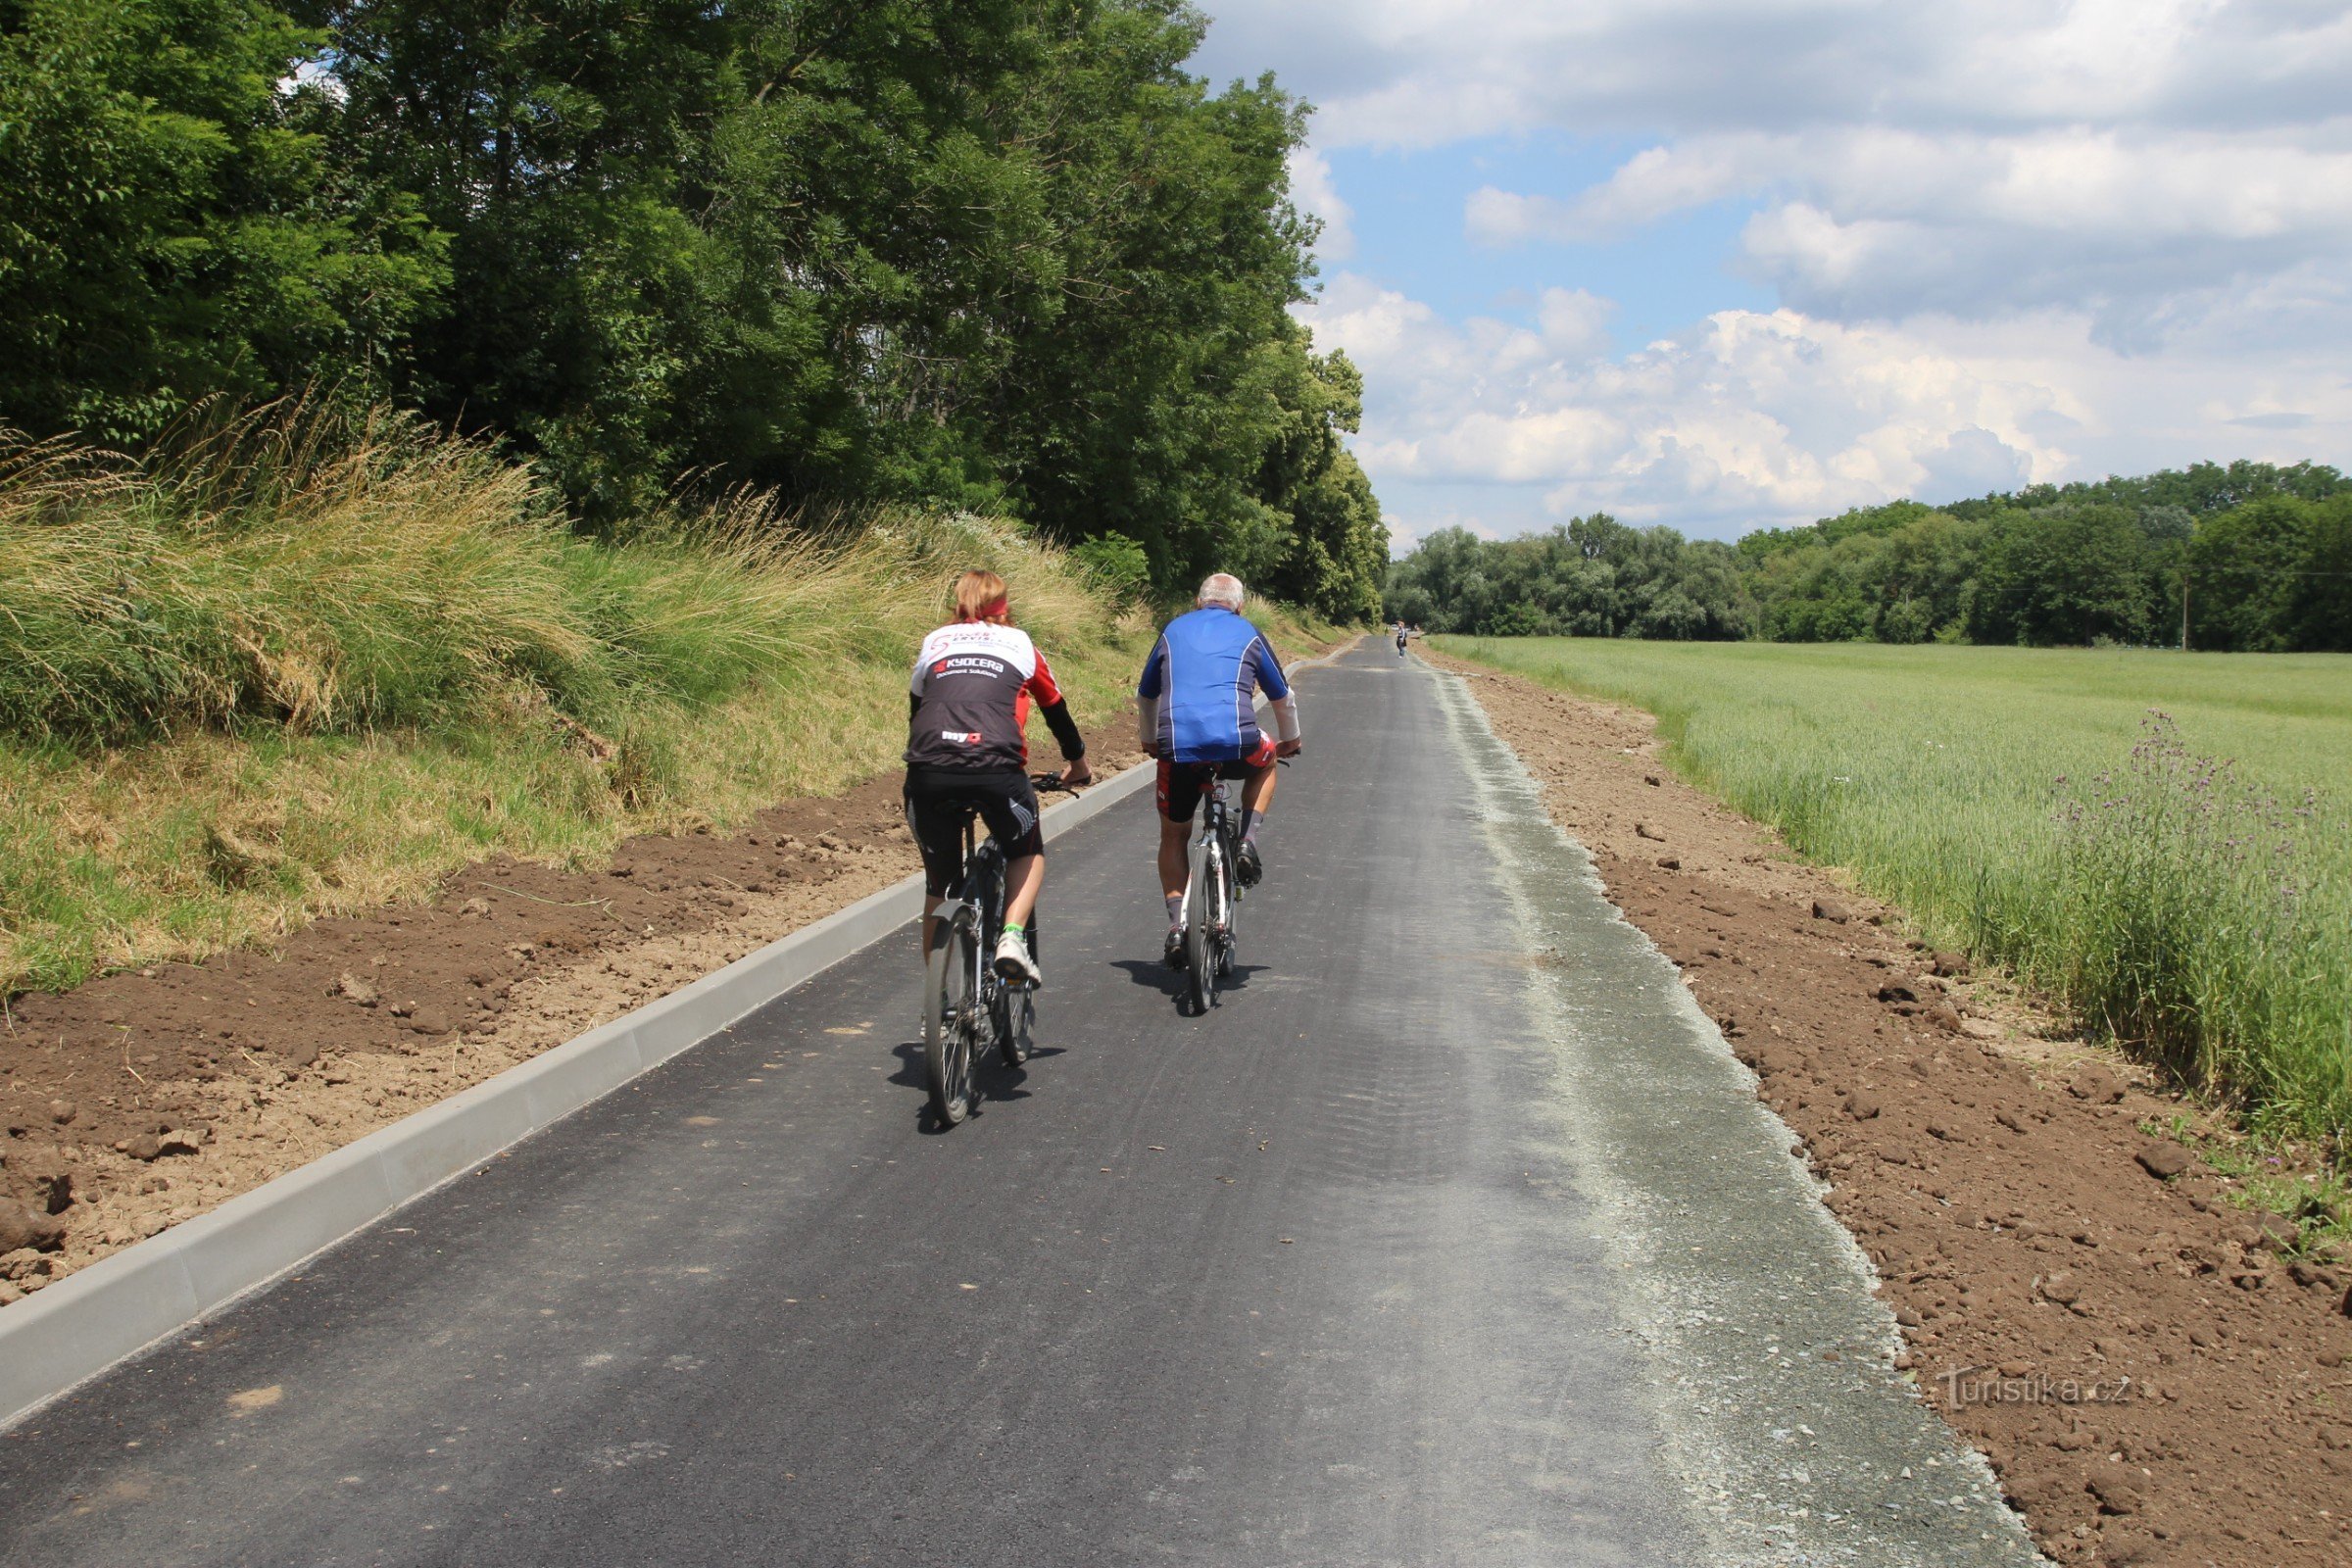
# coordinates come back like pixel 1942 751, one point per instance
pixel 2153 1365
pixel 339 776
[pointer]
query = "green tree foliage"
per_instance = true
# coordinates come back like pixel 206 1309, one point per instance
pixel 996 254
pixel 2273 574
pixel 1593 577
pixel 2264 552
pixel 172 224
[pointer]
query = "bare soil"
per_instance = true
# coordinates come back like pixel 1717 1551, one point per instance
pixel 2151 1379
pixel 140 1101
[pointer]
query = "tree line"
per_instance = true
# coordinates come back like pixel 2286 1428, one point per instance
pixel 2247 556
pixel 999 255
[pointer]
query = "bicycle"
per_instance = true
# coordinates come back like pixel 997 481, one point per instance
pixel 1211 897
pixel 970 1006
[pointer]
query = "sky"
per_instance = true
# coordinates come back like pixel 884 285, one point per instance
pixel 1734 264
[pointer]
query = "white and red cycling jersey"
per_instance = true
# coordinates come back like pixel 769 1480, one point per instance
pixel 970 692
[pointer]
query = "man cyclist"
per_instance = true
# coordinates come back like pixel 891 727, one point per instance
pixel 1400 639
pixel 1193 712
pixel 967 706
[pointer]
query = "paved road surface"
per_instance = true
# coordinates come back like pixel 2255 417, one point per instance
pixel 1455 1237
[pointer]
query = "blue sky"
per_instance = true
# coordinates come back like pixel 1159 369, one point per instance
pixel 1409 233
pixel 1728 263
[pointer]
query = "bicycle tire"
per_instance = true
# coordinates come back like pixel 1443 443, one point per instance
pixel 1017 1024
pixel 1200 944
pixel 948 1021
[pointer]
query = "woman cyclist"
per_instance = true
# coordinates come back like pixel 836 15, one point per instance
pixel 967 705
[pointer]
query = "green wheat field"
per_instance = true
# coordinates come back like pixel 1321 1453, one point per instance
pixel 2162 842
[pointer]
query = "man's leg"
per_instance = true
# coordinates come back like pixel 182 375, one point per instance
pixel 1023 877
pixel 1172 836
pixel 1171 858
pixel 1257 795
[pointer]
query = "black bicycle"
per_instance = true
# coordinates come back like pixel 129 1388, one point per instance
pixel 969 1008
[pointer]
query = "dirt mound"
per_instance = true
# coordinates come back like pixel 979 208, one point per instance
pixel 139 1101
pixel 2151 1379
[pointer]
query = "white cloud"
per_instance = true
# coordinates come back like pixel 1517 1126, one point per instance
pixel 1313 192
pixel 1755 418
pixel 2126 156
pixel 2011 240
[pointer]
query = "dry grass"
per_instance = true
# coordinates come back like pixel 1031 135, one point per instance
pixel 308 665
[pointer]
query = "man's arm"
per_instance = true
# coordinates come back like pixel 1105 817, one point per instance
pixel 1056 710
pixel 1267 670
pixel 1147 693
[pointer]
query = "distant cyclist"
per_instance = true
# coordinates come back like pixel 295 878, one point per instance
pixel 1195 714
pixel 1400 634
pixel 967 710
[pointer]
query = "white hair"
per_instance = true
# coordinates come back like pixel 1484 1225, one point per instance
pixel 1220 588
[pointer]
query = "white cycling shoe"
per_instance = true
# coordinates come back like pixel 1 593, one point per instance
pixel 1014 965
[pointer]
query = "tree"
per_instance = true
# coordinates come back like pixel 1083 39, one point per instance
pixel 2066 574
pixel 175 224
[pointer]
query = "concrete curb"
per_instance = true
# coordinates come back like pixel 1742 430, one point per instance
pixel 76 1329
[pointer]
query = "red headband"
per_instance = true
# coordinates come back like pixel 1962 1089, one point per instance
pixel 997 605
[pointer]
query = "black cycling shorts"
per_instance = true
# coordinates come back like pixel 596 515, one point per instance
pixel 939 799
pixel 1179 786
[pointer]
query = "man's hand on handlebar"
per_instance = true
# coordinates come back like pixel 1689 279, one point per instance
pixel 1288 748
pixel 1071 777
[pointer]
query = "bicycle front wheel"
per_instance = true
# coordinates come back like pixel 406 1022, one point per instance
pixel 952 1019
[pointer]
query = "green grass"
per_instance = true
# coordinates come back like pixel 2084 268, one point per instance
pixel 311 665
pixel 2159 841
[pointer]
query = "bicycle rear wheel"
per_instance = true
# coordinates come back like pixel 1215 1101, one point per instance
pixel 1200 943
pixel 951 1019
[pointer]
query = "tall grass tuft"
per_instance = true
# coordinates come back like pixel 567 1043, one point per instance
pixel 2158 840
pixel 310 567
pixel 311 658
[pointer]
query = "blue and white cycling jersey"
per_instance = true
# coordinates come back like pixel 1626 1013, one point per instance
pixel 1203 674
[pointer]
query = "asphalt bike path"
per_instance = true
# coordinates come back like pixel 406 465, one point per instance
pixel 1453 1236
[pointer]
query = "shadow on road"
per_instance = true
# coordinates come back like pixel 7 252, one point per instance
pixel 1156 975
pixel 998 1083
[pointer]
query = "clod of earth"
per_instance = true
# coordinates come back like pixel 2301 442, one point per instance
pixel 2116 1496
pixel 63 1112
pixel 149 1146
pixel 1899 989
pixel 1862 1107
pixel 2095 1083
pixel 351 987
pixel 1668 863
pixel 1950 963
pixel 22 1227
pixel 2164 1161
pixel 1644 830
pixel 1831 910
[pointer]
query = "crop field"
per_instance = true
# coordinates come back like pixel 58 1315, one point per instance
pixel 2161 841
